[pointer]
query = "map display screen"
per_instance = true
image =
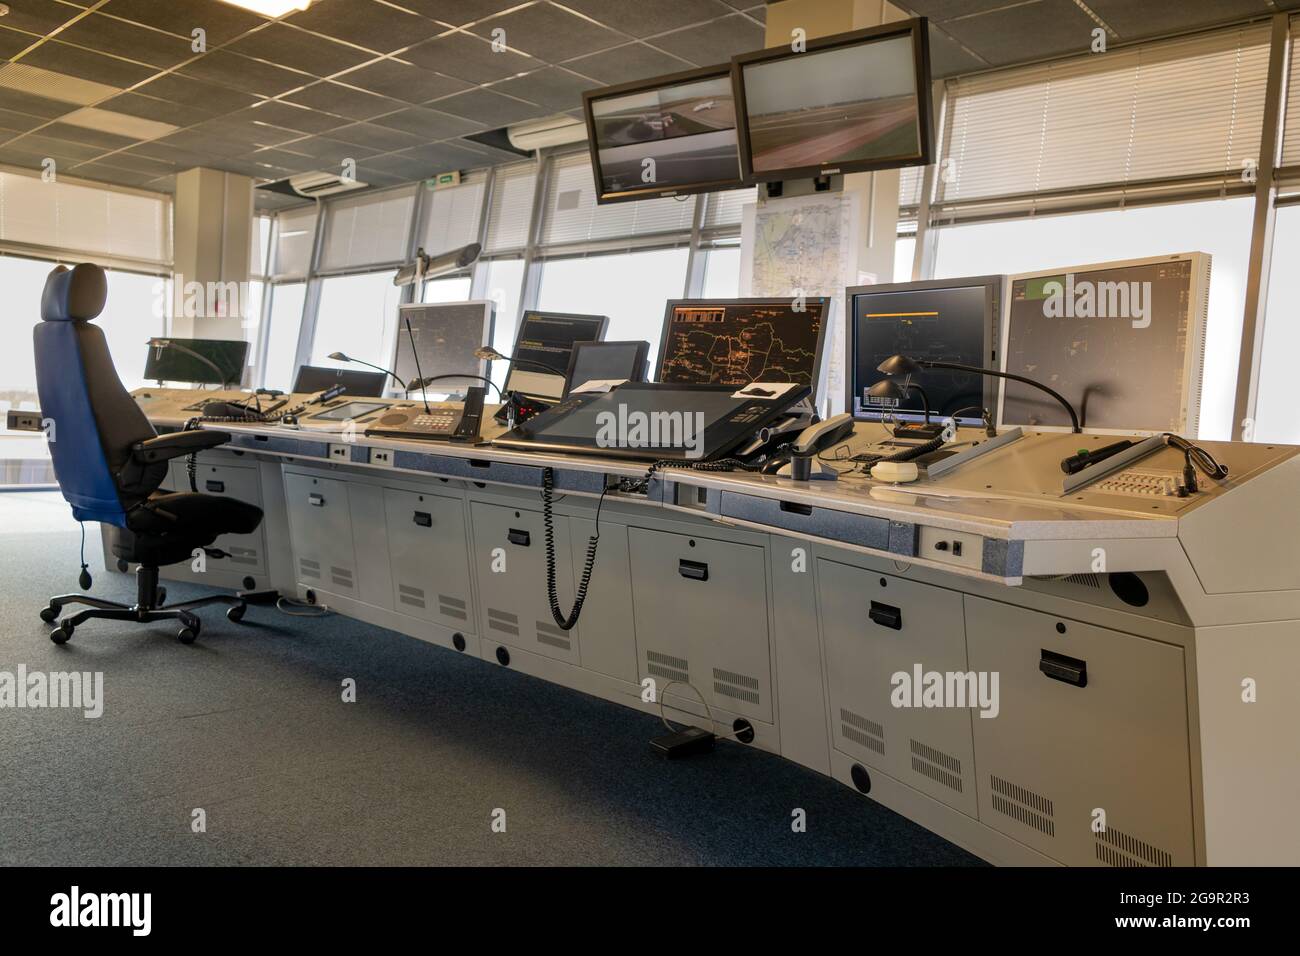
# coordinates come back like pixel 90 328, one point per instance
pixel 738 341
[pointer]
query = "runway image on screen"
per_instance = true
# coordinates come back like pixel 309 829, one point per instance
pixel 739 343
pixel 843 105
pixel 937 325
pixel 688 130
pixel 1113 341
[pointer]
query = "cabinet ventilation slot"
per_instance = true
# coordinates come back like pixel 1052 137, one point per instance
pixel 938 766
pixel 737 686
pixel 1025 806
pixel 1116 848
pixel 1087 580
pixel 503 621
pixel 549 634
pixel 667 666
pixel 452 607
pixel 341 576
pixel 309 569
pixel 410 595
pixel 864 732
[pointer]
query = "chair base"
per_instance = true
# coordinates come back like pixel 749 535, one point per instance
pixel 148 607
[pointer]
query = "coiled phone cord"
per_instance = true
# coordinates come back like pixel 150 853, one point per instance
pixel 548 520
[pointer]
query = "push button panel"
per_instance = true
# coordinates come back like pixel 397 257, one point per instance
pixel 951 547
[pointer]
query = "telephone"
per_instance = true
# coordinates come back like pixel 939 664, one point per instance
pixel 814 439
pixel 443 421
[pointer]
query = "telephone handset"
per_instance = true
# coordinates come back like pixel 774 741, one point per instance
pixel 813 440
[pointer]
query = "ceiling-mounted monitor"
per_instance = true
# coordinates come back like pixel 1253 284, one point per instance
pixel 845 103
pixel 1123 342
pixel 666 136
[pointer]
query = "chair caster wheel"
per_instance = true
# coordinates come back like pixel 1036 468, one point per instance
pixel 161 598
pixel 236 613
pixel 49 614
pixel 186 636
pixel 61 634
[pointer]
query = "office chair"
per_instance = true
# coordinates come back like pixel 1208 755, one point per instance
pixel 109 462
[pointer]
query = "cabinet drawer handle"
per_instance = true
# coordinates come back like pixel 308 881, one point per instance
pixel 886 615
pixel 1068 670
pixel 217 487
pixel 695 570
pixel 316 501
pixel 521 538
pixel 424 519
pixel 795 508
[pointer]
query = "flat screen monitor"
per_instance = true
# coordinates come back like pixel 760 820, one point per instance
pixel 846 103
pixel 1121 341
pixel 446 336
pixel 739 341
pixel 546 341
pixel 949 320
pixel 606 361
pixel 315 378
pixel 667 136
pixel 191 360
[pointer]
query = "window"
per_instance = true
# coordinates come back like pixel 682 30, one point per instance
pixel 22 281
pixel 446 289
pixel 721 272
pixel 904 253
pixel 630 288
pixel 295 232
pixel 504 286
pixel 282 336
pixel 357 315
pixel 367 230
pixel 1220 227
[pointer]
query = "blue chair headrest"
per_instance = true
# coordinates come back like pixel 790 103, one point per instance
pixel 74 295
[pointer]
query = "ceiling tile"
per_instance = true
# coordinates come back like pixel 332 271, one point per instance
pixel 715 42
pixel 331 152
pixel 641 19
pixel 1155 17
pixel 441 157
pixel 377 137
pixel 492 109
pixel 550 33
pixel 402 81
pixel 407 167
pixel 110 35
pixel 241 73
pixel 148 107
pixel 283 158
pixel 111 174
pixel 139 164
pixel 87 64
pixel 13 42
pixel 39 16
pixel 183 158
pixel 289 116
pixel 30 103
pixel 246 134
pixel 427 123
pixel 459 12
pixel 554 87
pixel 375 26
pixel 469 58
pixel 60 149
pixel 1048 28
pixel 299 50
pixel 344 101
pixel 941 10
pixel 202 143
pixel 191 92
pixel 948 57
pixel 11 120
pixel 624 64
pixel 91 138
pixel 220 21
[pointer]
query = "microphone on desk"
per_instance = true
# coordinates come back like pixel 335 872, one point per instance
pixel 160 344
pixel 340 357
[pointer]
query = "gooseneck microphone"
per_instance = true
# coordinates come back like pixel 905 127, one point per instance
pixel 161 344
pixel 340 357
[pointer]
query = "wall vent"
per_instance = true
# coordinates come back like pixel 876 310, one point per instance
pixel 1117 848
pixel 452 607
pixel 864 732
pixel 413 596
pixel 940 767
pixel 1024 806
pixel 553 636
pixel 667 666
pixel 503 621
pixel 1086 579
pixel 309 569
pixel 341 576
pixel 736 686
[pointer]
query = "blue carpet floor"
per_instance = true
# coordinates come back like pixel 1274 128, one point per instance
pixel 248 725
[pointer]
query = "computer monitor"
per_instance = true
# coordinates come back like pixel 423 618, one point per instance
pixel 846 103
pixel 546 340
pixel 948 320
pixel 606 361
pixel 446 335
pixel 666 136
pixel 739 341
pixel 358 384
pixel 1123 342
pixel 191 360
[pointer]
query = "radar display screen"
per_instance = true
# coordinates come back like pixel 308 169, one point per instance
pixel 739 341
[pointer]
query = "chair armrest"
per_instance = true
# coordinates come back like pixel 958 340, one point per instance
pixel 176 444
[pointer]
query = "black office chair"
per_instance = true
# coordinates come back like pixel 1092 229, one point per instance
pixel 109 462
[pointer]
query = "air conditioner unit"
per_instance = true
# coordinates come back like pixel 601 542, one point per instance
pixel 316 184
pixel 552 131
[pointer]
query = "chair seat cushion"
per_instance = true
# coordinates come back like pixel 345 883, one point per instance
pixel 169 526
